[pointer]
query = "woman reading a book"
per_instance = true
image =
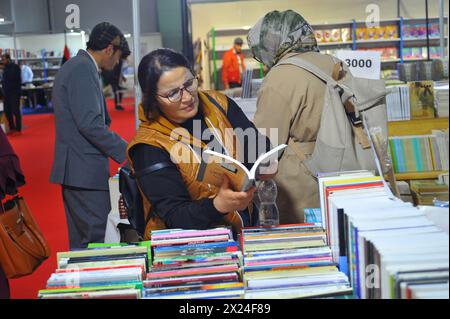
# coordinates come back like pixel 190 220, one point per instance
pixel 178 122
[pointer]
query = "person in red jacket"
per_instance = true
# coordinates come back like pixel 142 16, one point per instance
pixel 233 65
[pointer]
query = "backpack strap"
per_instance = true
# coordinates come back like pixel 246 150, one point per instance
pixel 311 68
pixel 297 149
pixel 345 92
pixel 152 168
pixel 347 96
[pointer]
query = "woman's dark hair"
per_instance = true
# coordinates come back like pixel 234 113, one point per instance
pixel 152 66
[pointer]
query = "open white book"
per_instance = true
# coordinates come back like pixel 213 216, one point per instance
pixel 215 165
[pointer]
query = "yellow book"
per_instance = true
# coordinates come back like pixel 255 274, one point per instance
pixel 353 181
pixel 421 99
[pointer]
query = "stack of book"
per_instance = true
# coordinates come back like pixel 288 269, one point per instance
pixel 441 99
pixel 442 141
pixel 334 185
pixel 247 83
pixel 391 248
pixel 100 271
pixel 417 100
pixel 420 153
pixel 397 103
pixel 426 191
pixel 194 264
pixel 290 261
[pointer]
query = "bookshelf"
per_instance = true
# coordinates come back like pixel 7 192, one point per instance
pixel 401 42
pixel 44 68
pixel 417 127
pixel 418 175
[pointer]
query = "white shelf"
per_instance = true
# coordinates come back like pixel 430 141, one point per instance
pixel 423 39
pixel 42 58
pixel 229 31
pixel 391 61
pixel 394 20
pixel 415 60
pixel 242 30
pixel 48 69
pixel 332 44
pixel 377 41
pixel 42 79
pixel 406 60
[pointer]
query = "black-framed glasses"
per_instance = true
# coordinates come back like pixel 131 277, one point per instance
pixel 176 95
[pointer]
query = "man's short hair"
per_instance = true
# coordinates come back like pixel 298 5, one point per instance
pixel 105 34
pixel 238 41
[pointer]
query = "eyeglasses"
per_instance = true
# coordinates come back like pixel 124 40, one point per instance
pixel 176 95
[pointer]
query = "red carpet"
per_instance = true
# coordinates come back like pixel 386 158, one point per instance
pixel 35 150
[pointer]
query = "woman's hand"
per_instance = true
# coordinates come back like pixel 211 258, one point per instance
pixel 228 200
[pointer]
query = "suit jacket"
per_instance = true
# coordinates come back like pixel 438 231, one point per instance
pixel 12 81
pixel 83 141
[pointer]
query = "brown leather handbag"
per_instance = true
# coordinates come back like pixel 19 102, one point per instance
pixel 22 246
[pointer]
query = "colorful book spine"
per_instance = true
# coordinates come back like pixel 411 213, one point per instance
pixel 415 154
pixel 393 154
pixel 426 150
pixel 418 159
pixel 437 165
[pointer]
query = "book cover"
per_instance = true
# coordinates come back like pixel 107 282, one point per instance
pixel 421 99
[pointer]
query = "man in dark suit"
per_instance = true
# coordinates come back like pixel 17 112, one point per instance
pixel 84 141
pixel 12 87
pixel 114 78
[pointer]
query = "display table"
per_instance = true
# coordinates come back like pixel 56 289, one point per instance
pixel 32 93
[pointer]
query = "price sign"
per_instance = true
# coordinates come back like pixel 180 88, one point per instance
pixel 362 64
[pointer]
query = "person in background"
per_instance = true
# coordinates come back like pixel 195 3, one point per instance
pixel 173 103
pixel 233 66
pixel 291 100
pixel 11 177
pixel 26 73
pixel 84 142
pixel 114 78
pixel 27 80
pixel 12 88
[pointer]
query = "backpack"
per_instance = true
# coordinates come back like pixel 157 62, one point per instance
pixel 132 200
pixel 351 105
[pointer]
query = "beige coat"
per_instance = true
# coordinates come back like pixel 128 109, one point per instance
pixel 291 100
